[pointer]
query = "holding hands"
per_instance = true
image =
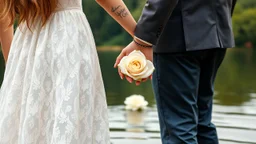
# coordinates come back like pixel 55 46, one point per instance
pixel 135 62
pixel 119 11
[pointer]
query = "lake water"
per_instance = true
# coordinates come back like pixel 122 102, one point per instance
pixel 234 111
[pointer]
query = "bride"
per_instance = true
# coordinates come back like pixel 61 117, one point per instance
pixel 52 91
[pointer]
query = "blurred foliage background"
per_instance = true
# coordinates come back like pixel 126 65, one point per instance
pixel 107 32
pixel 244 23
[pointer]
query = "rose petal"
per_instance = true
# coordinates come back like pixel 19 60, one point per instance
pixel 123 69
pixel 150 70
pixel 145 71
pixel 145 74
pixel 137 52
pixel 142 61
pixel 142 73
pixel 121 65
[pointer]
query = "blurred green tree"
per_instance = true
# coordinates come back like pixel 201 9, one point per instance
pixel 105 29
pixel 244 25
pixel 108 32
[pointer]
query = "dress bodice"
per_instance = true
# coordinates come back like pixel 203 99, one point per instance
pixel 69 4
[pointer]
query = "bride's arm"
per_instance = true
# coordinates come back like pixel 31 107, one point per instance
pixel 6 35
pixel 118 10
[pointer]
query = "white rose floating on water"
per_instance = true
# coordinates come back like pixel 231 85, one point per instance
pixel 135 102
pixel 136 66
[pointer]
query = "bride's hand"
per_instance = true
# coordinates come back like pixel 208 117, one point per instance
pixel 148 52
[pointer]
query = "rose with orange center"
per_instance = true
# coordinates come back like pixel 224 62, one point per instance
pixel 136 66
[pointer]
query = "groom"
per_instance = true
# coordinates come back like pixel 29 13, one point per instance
pixel 189 40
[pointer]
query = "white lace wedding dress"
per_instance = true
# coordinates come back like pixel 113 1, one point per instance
pixel 52 91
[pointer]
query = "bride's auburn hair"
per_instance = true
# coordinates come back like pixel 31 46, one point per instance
pixel 27 10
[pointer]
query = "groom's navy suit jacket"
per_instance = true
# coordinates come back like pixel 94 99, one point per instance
pixel 186 25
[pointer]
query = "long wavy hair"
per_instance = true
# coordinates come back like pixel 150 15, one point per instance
pixel 27 10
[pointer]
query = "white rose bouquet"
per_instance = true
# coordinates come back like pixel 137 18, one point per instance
pixel 136 66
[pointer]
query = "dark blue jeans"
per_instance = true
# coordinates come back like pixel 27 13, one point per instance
pixel 184 86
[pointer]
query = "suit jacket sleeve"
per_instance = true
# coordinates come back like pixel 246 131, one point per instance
pixel 153 19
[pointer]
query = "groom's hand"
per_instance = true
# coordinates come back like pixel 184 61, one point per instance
pixel 147 51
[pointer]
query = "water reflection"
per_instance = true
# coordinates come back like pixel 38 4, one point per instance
pixel 236 78
pixel 234 83
pixel 117 90
pixel 234 111
pixel 135 121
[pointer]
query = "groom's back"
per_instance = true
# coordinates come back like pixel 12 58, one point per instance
pixel 197 25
